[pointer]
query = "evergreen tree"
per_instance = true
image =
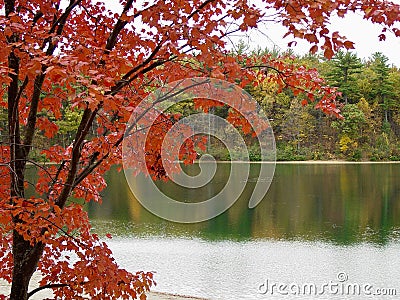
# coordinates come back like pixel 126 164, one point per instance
pixel 382 88
pixel 344 67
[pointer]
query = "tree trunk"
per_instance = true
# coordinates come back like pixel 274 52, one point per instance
pixel 26 258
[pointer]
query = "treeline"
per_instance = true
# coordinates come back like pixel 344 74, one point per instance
pixel 369 103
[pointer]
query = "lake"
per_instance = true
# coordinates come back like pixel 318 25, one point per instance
pixel 323 231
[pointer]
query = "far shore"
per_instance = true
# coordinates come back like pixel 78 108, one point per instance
pixel 333 161
pixel 337 162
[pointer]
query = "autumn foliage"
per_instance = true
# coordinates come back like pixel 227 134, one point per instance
pixel 81 56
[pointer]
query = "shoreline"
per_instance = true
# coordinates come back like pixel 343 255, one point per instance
pixel 321 162
pixel 337 162
pixel 333 161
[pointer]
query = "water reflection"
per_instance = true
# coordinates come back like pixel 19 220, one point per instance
pixel 340 203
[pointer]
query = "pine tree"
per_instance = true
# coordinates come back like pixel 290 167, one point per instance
pixel 345 65
pixel 382 87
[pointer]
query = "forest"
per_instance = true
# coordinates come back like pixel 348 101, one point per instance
pixel 368 98
pixel 369 102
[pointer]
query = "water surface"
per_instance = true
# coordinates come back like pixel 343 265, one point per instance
pixel 317 222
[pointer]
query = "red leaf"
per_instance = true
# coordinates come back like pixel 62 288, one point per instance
pixel 328 53
pixel 314 49
pixel 348 45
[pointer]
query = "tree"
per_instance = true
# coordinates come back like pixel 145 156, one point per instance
pixel 350 128
pixel 382 88
pixel 394 78
pixel 59 54
pixel 344 67
pixel 351 124
pixel 297 125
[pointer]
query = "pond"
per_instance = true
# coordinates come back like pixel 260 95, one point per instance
pixel 323 231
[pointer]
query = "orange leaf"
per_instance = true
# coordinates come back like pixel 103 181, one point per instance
pixel 314 49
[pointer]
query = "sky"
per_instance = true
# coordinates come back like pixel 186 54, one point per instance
pixel 362 32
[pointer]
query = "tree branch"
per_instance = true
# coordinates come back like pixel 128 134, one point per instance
pixel 60 22
pixel 38 84
pixel 55 179
pixel 36 18
pixel 112 39
pixel 31 123
pixel 9 7
pixel 83 129
pixel 173 93
pixel 204 4
pixel 126 79
pixel 47 286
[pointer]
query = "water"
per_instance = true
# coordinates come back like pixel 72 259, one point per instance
pixel 320 226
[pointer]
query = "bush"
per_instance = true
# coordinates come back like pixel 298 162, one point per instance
pixel 221 154
pixel 254 153
pixel 356 155
pixel 288 152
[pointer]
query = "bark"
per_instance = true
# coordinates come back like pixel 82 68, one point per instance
pixel 26 258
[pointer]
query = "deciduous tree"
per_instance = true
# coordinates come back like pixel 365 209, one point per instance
pixel 77 54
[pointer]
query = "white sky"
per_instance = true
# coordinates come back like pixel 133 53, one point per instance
pixel 362 32
pixel 357 30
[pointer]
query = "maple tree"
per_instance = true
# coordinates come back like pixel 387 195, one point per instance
pixel 78 55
